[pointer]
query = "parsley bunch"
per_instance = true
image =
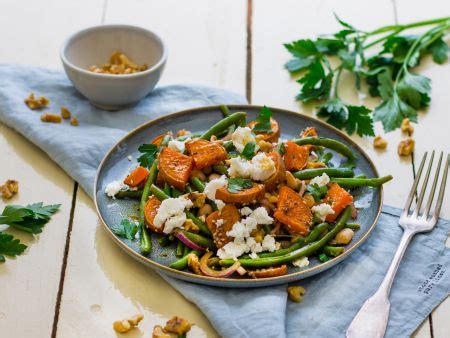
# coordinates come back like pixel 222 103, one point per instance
pixel 30 219
pixel 387 73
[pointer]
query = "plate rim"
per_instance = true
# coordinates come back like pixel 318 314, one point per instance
pixel 199 279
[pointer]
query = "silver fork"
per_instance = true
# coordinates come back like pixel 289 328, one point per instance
pixel 371 320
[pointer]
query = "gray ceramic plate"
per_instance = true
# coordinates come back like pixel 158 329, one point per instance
pixel 115 166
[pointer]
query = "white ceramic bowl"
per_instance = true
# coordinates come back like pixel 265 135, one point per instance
pixel 94 46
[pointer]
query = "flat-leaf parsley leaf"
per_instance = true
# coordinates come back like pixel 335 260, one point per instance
pixel 263 121
pixel 148 154
pixel 237 184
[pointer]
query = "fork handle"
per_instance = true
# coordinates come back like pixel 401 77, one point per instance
pixel 371 320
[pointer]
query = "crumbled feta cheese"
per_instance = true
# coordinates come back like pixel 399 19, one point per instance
pixel 242 136
pixel 219 204
pixel 262 167
pixel 238 230
pixel 320 180
pixel 239 167
pixel 250 224
pixel 322 211
pixel 313 156
pixel 129 157
pixel 253 255
pixel 171 213
pixel 177 145
pixel 114 187
pixel 232 250
pixel 254 246
pixel 261 216
pixel 212 186
pixel 245 211
pixel 268 243
pixel 301 262
pixel 219 222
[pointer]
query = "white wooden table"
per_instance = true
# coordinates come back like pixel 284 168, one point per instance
pixel 73 281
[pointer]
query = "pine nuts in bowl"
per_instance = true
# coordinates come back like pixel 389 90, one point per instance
pixel 114 66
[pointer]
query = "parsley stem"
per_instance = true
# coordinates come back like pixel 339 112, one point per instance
pixel 389 28
pixel 336 82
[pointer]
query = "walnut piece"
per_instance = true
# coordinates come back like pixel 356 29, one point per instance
pixel 295 293
pixel 126 325
pixel 9 189
pixel 65 113
pixel 118 64
pixel 159 332
pixel 74 121
pixel 194 264
pixel 406 126
pixel 178 325
pixel 51 118
pixel 36 103
pixel 406 147
pixel 379 142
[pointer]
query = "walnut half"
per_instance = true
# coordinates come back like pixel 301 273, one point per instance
pixel 9 189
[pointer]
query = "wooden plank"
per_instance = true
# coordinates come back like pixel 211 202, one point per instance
pixel 34 32
pixel 206 42
pixel 296 20
pixel 30 282
pixel 432 130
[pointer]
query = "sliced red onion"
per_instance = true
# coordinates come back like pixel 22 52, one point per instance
pixel 302 188
pixel 186 241
pixel 213 273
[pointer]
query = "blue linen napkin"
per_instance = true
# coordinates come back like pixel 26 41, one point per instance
pixel 332 298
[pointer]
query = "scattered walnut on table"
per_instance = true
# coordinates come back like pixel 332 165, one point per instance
pixel 126 325
pixel 51 118
pixel 407 127
pixel 74 121
pixel 178 325
pixel 295 293
pixel 159 332
pixel 9 189
pixel 406 147
pixel 379 142
pixel 36 102
pixel 65 113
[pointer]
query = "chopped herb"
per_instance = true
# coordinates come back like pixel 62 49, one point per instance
pixel 237 184
pixel 30 218
pixel 317 192
pixel 10 246
pixel 263 121
pixel 282 148
pixel 387 73
pixel 249 150
pixel 148 154
pixel 126 229
pixel 323 257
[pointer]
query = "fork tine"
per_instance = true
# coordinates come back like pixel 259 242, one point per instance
pixel 424 187
pixel 433 188
pixel 437 210
pixel 414 186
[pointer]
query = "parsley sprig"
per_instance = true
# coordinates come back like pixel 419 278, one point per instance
pixel 237 184
pixel 126 229
pixel 263 121
pixel 30 219
pixel 148 154
pixel 387 74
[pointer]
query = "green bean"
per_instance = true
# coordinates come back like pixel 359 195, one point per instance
pixel 186 250
pixel 333 251
pixel 361 182
pixel 335 145
pixel 197 184
pixel 312 236
pixel 179 250
pixel 325 158
pixel 188 188
pixel 224 124
pixel 145 240
pixel 199 240
pixel 164 241
pixel 301 252
pixel 175 192
pixel 225 111
pixel 182 262
pixel 133 194
pixel 166 189
pixel 360 176
pixel 161 195
pixel 221 169
pixel 307 174
pixel 201 225
pixel 353 226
